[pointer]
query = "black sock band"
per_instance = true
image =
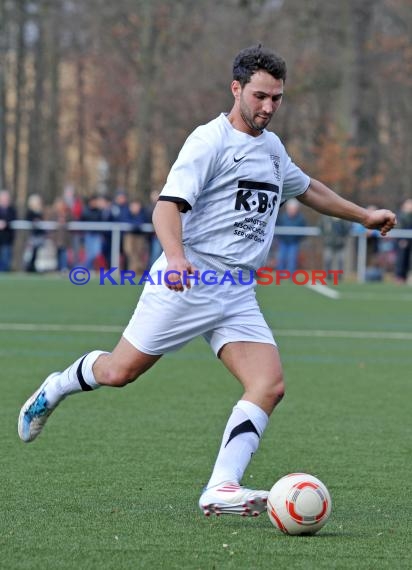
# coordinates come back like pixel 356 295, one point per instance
pixel 83 384
pixel 244 427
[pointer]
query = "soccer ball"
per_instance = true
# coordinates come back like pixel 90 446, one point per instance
pixel 299 504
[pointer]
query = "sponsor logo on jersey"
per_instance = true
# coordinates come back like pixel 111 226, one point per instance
pixel 256 196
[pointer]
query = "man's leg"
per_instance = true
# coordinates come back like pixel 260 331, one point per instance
pixel 257 366
pixel 118 368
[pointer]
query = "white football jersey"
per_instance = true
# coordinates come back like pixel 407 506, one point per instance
pixel 233 184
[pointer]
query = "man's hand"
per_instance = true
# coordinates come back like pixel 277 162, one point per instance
pixel 383 220
pixel 177 272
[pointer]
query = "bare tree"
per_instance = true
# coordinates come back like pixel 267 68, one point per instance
pixel 3 101
pixel 36 147
pixel 20 80
pixel 366 102
pixel 53 162
pixel 124 83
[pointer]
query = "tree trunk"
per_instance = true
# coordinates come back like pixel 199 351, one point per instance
pixel 53 174
pixel 35 162
pixel 145 103
pixel 366 96
pixel 81 124
pixel 20 80
pixel 3 102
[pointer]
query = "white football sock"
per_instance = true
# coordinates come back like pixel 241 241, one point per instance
pixel 240 441
pixel 77 377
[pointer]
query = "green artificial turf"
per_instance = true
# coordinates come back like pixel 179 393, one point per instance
pixel 114 480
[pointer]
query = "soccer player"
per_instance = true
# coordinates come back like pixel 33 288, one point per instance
pixel 215 215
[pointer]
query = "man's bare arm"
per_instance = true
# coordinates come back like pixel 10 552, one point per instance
pixel 325 201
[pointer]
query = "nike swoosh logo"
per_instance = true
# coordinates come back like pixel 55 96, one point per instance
pixel 238 159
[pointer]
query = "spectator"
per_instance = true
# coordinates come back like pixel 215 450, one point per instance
pixel 76 206
pixel 61 236
pixel 7 214
pixel 155 246
pixel 335 232
pixel 374 266
pixel 404 245
pixel 289 245
pixel 106 206
pixel 120 207
pixel 35 213
pixel 135 243
pixel 93 240
pixel 121 213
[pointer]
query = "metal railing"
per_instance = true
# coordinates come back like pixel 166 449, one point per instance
pixel 362 241
pixel 116 229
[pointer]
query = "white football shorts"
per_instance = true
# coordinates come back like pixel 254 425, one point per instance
pixel 166 320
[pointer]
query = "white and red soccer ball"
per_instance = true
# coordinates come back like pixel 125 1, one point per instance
pixel 299 504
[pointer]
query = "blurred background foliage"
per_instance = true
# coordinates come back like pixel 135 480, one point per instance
pixel 100 95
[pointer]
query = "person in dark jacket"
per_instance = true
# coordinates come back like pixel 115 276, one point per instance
pixel 7 215
pixel 289 245
pixel 93 240
pixel 404 246
pixel 335 232
pixel 35 213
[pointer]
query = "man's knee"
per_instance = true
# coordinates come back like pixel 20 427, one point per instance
pixel 276 390
pixel 117 378
pixel 268 392
pixel 110 374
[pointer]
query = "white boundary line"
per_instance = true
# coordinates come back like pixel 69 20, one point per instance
pixel 323 290
pixel 346 334
pixel 360 296
pixel 34 327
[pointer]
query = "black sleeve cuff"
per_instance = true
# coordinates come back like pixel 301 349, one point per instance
pixel 176 200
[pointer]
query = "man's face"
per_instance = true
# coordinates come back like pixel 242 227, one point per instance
pixel 258 100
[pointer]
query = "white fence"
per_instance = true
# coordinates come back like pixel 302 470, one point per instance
pixel 116 229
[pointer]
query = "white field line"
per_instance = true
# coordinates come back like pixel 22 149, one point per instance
pixel 346 334
pixel 359 296
pixel 324 290
pixel 34 327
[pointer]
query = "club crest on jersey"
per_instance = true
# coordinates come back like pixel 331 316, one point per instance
pixel 276 165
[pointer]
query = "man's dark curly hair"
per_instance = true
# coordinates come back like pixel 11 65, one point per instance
pixel 256 58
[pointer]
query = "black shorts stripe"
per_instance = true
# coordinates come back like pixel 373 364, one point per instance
pixel 83 384
pixel 253 185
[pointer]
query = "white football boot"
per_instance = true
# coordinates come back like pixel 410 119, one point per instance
pixel 35 412
pixel 232 499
